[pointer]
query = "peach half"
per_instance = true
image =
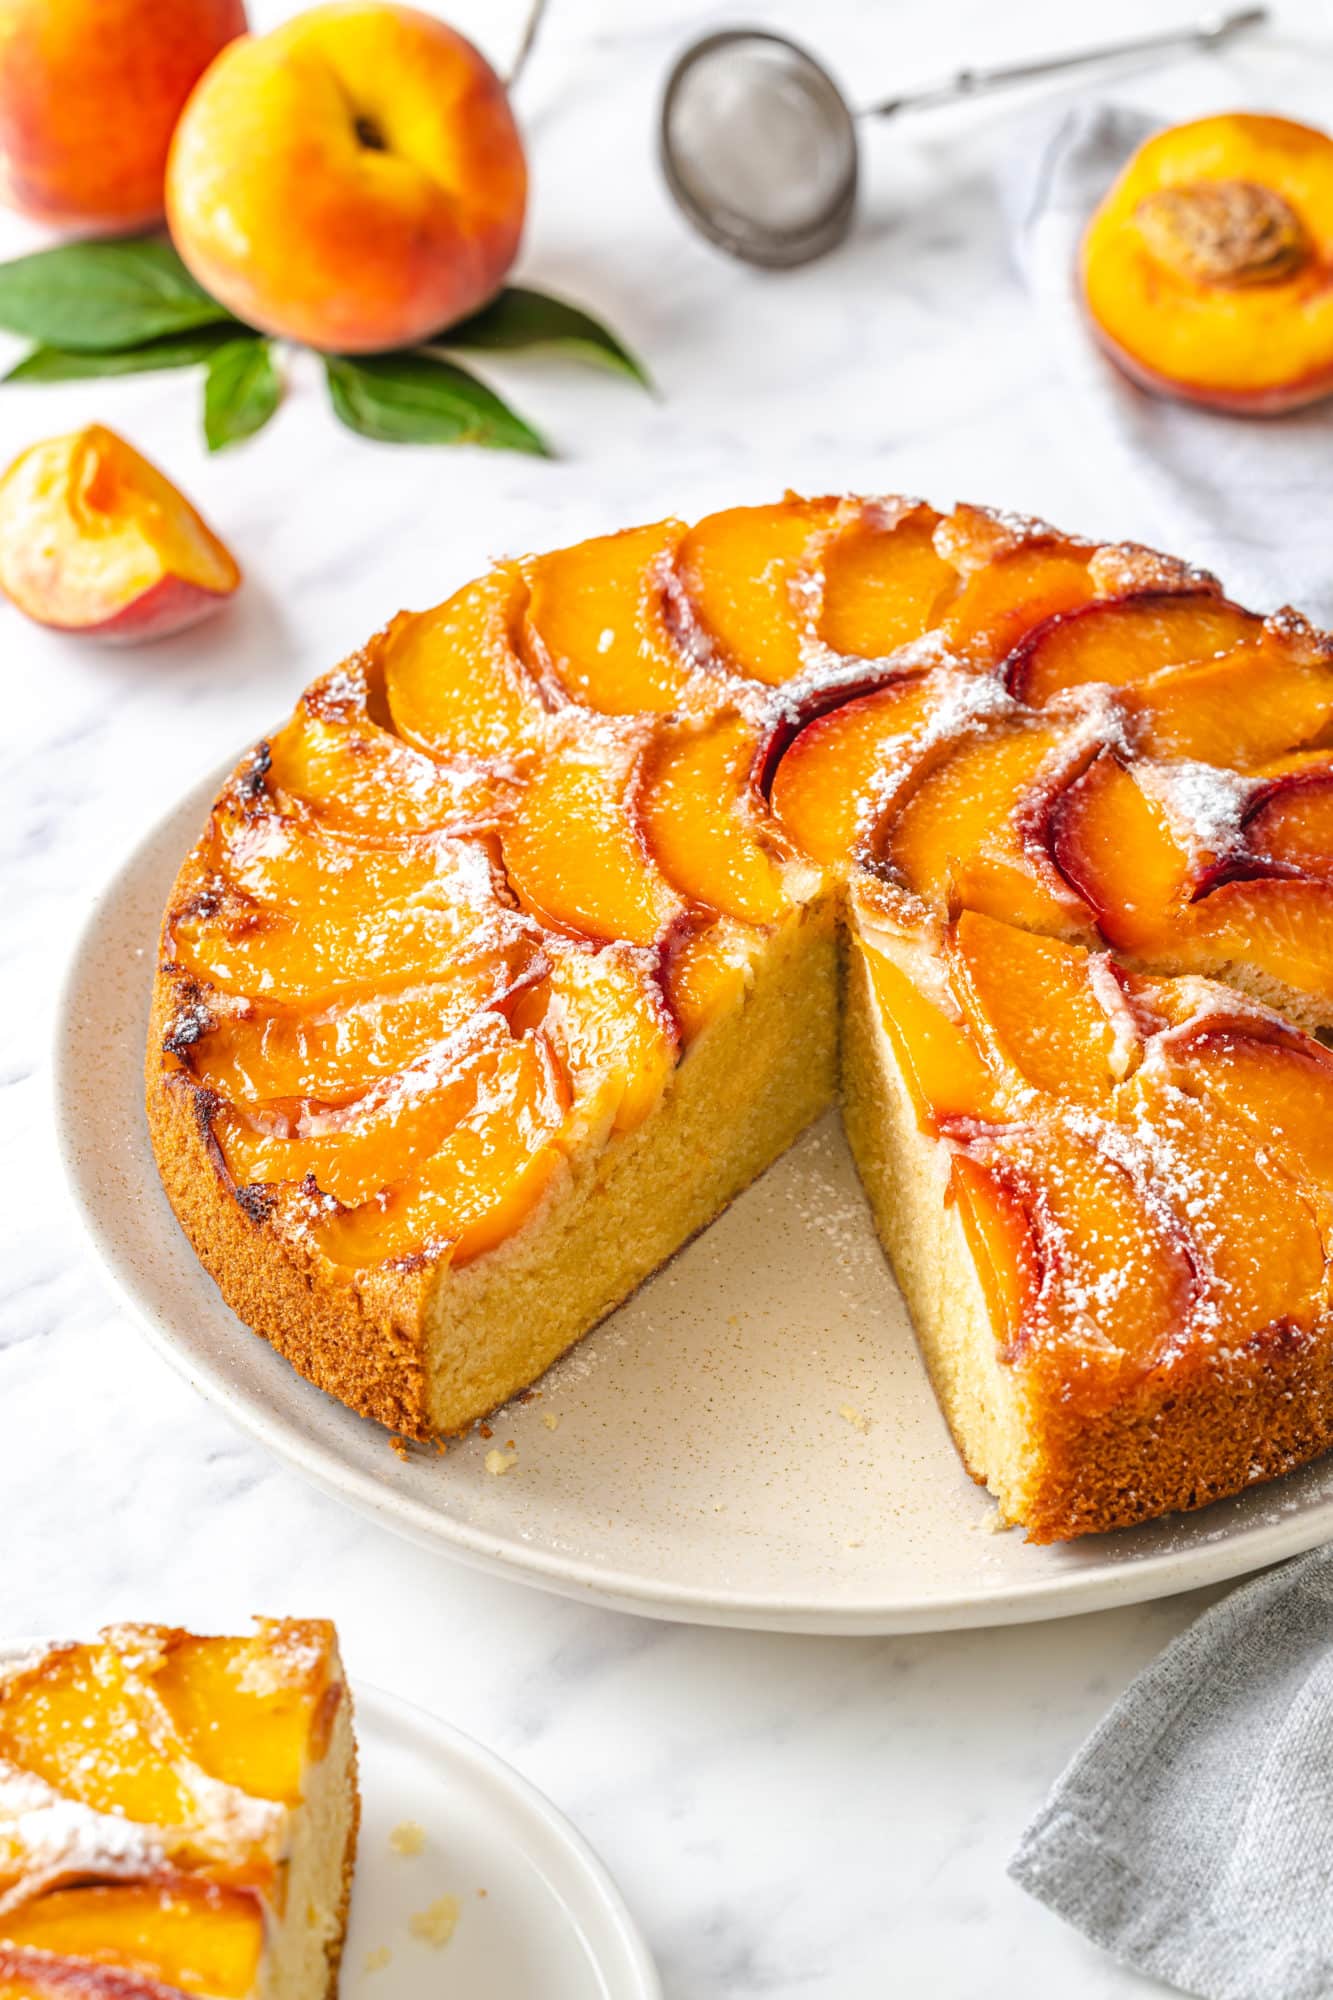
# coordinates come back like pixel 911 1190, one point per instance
pixel 353 180
pixel 1208 268
pixel 95 540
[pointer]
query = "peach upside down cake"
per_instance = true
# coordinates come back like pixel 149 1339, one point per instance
pixel 177 1816
pixel 551 918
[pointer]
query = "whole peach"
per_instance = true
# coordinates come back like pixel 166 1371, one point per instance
pixel 354 180
pixel 90 91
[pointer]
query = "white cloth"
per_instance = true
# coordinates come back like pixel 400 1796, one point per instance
pixel 1249 497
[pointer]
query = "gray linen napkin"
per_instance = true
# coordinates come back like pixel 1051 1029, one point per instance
pixel 1249 497
pixel 1190 1836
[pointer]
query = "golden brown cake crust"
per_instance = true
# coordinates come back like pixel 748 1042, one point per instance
pixel 364 1346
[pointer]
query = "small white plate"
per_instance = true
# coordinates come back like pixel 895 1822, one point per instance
pixel 537 1911
pixel 751 1440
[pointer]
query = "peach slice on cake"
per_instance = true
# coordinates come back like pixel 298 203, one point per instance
pixel 1284 928
pixel 697 809
pixel 197 1937
pixel 596 621
pixel 1119 1278
pixel 1124 641
pixel 1003 1248
pixel 1265 697
pixel 829 787
pixel 967 833
pixel 1015 576
pixel 453 679
pixel 95 540
pixel 294 913
pixel 745 576
pixel 486 1176
pixel 942 1064
pixel 1208 1166
pixel 884 581
pixel 603 1009
pixel 247 1050
pixel 1049 1010
pixel 1116 847
pixel 1260 1072
pixel 1289 825
pixel 575 849
pixel 361 778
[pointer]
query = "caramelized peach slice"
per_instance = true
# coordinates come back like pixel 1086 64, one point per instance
pixel 331 1052
pixel 481 1184
pixel 596 620
pixel 1033 1001
pixel 74 1723
pixel 610 1027
pixel 193 1935
pixel 250 1712
pixel 706 971
pixel 828 782
pixel 39 1975
pixel 1125 641
pixel 962 835
pixel 1276 1082
pixel 453 678
pixel 575 849
pixel 698 815
pixel 1118 1274
pixel 743 572
pixel 1115 845
pixel 94 539
pixel 1003 1248
pixel 1291 823
pixel 356 1150
pixel 1262 1250
pixel 1241 710
pixel 1020 588
pixel 1285 928
pixel 301 915
pixel 362 779
pixel 884 582
pixel 942 1065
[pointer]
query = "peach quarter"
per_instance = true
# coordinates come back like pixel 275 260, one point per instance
pixel 95 540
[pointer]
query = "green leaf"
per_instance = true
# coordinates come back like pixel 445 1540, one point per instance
pixel 176 350
pixel 517 318
pixel 413 397
pixel 241 391
pixel 93 298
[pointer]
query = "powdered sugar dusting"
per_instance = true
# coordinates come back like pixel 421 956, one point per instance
pixel 1203 803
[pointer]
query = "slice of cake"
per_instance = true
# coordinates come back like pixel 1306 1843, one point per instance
pixel 177 1814
pixel 514 955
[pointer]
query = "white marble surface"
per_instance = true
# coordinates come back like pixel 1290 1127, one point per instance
pixel 787 1816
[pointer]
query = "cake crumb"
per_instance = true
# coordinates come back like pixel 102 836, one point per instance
pixel 499 1462
pixel 996 1521
pixel 398 1446
pixel 376 1960
pixel 407 1837
pixel 486 1430
pixel 850 1414
pixel 436 1924
pixel 551 1420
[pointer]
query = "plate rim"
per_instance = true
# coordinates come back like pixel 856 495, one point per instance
pixel 1167 1573
pixel 641 1980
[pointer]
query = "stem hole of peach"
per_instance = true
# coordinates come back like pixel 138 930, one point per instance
pixel 370 135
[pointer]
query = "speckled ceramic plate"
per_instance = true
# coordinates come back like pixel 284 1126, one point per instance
pixel 751 1440
pixel 536 1910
